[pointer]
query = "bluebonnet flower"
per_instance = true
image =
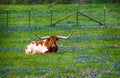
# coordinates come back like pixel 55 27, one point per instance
pixel 68 76
pixel 79 58
pixel 93 76
pixel 116 65
pixel 74 47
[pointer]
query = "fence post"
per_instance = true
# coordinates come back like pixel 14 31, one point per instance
pixel 29 12
pixel 29 16
pixel 51 16
pixel 77 15
pixel 104 15
pixel 90 18
pixel 7 18
pixel 77 18
pixel 64 18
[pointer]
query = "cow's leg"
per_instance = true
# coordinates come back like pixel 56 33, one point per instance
pixel 55 49
pixel 46 52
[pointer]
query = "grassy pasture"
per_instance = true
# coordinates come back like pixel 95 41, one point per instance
pixel 91 52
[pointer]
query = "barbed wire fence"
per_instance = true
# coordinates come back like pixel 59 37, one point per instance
pixel 33 19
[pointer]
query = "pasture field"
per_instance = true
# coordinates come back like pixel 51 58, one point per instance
pixel 93 51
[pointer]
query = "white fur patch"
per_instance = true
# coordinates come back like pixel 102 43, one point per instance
pixel 33 49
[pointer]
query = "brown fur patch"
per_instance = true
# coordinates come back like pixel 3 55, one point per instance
pixel 46 43
pixel 33 42
pixel 39 43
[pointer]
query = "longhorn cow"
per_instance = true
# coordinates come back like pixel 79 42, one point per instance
pixel 47 44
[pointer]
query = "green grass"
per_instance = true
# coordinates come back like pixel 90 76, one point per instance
pixel 90 51
pixel 99 55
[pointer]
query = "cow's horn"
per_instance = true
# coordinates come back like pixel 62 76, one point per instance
pixel 63 37
pixel 41 37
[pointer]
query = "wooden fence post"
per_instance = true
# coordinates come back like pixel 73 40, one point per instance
pixel 104 14
pixel 77 15
pixel 51 16
pixel 7 18
pixel 29 17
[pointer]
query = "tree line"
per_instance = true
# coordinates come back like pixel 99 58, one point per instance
pixel 57 1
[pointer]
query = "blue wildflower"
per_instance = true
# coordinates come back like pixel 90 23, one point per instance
pixel 79 58
pixel 74 47
pixel 93 76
